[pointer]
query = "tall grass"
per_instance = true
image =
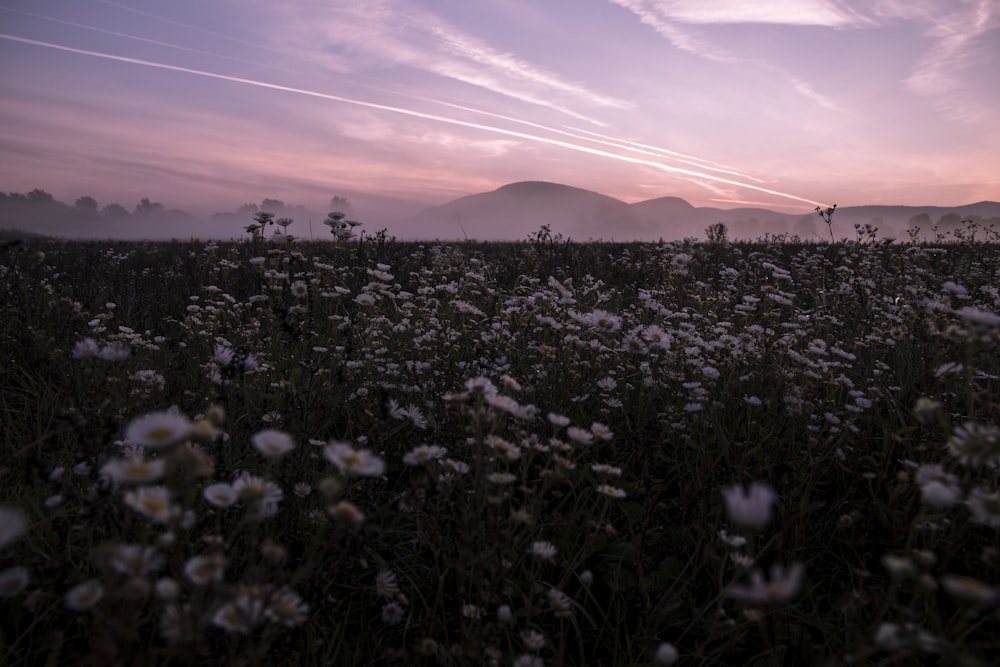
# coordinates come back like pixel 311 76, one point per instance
pixel 527 453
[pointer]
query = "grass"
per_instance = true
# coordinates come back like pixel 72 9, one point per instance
pixel 604 408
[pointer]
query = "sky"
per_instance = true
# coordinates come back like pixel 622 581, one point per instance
pixel 787 104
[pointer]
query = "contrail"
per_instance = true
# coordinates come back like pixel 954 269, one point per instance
pixel 144 39
pixel 414 114
pixel 596 138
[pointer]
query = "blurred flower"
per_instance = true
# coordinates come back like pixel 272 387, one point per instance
pixel 272 443
pixel 423 454
pixel 749 509
pixel 894 637
pixel 220 494
pixel 666 654
pixel 543 550
pixel 153 502
pixel 158 429
pixel 611 491
pixel 240 615
pixel 202 570
pixel 349 461
pixel 393 613
pixel 132 471
pixel 286 608
pixel 84 596
pixel 985 506
pixel 976 445
pixel 782 587
pixel 385 583
pixel 85 349
pixel 12 581
pixel 970 590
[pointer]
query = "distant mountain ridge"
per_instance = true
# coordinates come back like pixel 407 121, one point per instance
pixel 515 210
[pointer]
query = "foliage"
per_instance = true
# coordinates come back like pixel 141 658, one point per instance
pixel 461 454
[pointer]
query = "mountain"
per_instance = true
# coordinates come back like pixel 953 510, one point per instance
pixel 514 211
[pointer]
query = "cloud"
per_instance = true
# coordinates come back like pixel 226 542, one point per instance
pixel 687 174
pixel 784 12
pixel 965 39
pixel 391 33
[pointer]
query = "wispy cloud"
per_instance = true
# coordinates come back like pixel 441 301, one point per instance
pixel 964 37
pixel 692 175
pixel 785 12
pixel 138 38
pixel 391 33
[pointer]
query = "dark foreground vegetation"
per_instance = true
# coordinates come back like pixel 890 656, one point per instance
pixel 515 454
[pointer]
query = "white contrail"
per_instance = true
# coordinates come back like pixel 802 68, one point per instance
pixel 415 114
pixel 147 40
pixel 603 139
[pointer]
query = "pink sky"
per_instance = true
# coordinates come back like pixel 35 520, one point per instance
pixel 781 103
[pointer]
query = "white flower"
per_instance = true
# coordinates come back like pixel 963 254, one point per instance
pixel 393 613
pixel 749 509
pixel 153 502
pixel 666 654
pixel 350 461
pixel 423 454
pixel 133 471
pixel 385 583
pixel 12 581
pixel 158 429
pixel 272 443
pixel 533 640
pixel 783 587
pixel 220 494
pixel 543 550
pixel 85 349
pixel 84 596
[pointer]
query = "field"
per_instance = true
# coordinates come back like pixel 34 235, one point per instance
pixel 374 452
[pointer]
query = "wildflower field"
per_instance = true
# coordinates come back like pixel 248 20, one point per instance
pixel 537 453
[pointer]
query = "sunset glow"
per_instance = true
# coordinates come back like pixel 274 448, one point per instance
pixel 786 105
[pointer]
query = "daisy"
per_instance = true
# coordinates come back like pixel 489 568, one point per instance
pixel 221 494
pixel 970 590
pixel 202 570
pixel 350 461
pixel 135 560
pixel 133 471
pixel 286 608
pixel 84 596
pixel 240 615
pixel 12 581
pixel 385 584
pixel 543 550
pixel 272 443
pixel 153 502
pixel 783 587
pixel 393 613
pixel 985 506
pixel 749 509
pixel 611 491
pixel 976 444
pixel 158 429
pixel 423 454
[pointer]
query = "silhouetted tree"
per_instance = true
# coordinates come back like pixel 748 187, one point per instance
pixel 275 206
pixel 148 209
pixel 340 204
pixel 39 196
pixel 86 207
pixel 115 212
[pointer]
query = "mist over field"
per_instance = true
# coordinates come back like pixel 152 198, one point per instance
pixel 509 213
